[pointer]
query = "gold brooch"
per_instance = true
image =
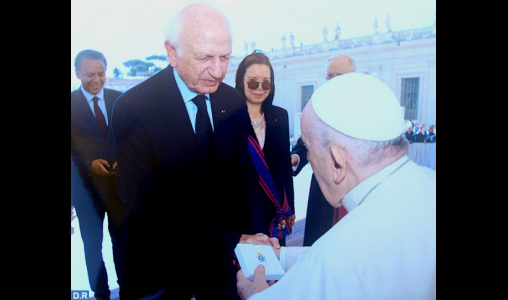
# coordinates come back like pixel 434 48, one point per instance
pixel 282 225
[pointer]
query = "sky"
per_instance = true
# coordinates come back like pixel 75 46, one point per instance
pixel 134 29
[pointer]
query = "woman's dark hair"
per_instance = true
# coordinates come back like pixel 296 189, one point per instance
pixel 255 58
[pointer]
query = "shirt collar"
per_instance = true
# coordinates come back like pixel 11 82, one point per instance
pixel 187 94
pixel 89 96
pixel 353 199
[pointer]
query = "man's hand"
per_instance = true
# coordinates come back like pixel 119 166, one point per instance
pixel 292 220
pixel 294 160
pixel 247 288
pixel 260 239
pixel 99 168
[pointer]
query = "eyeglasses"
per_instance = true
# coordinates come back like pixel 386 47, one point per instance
pixel 254 85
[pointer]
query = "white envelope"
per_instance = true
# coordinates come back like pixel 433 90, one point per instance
pixel 251 256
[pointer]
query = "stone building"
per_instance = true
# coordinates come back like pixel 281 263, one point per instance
pixel 404 60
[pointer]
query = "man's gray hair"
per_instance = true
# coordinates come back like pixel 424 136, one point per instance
pixel 174 26
pixel 173 29
pixel 364 153
pixel 351 61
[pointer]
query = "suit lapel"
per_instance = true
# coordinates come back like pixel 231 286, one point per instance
pixel 271 129
pixel 175 114
pixel 219 109
pixel 83 108
pixel 109 104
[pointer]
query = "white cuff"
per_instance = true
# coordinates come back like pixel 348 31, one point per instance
pixel 296 167
pixel 283 258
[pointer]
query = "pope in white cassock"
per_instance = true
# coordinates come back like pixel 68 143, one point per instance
pixel 385 248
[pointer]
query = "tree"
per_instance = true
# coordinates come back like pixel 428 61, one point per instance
pixel 158 57
pixel 137 65
pixel 137 62
pixel 117 73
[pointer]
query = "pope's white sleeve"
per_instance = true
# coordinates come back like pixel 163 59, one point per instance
pixel 289 256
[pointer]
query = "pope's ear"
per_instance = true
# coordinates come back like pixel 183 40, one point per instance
pixel 339 164
pixel 171 52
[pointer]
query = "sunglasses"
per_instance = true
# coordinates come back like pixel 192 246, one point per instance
pixel 254 85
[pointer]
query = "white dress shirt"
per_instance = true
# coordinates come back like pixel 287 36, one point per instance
pixel 101 102
pixel 187 96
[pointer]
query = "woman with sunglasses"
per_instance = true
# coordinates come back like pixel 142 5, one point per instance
pixel 270 131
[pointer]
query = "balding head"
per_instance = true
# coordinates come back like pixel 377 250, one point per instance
pixel 338 65
pixel 198 15
pixel 199 46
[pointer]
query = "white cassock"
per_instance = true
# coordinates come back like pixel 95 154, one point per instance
pixel 384 248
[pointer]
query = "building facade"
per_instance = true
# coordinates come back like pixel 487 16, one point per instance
pixel 404 60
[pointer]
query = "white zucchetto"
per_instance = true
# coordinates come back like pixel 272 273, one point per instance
pixel 360 106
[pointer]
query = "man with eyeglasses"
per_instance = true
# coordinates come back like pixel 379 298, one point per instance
pixel 321 216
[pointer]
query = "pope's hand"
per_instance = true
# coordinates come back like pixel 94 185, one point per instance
pixel 247 288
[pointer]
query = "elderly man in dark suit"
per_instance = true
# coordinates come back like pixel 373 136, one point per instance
pixel 181 139
pixel 93 155
pixel 321 216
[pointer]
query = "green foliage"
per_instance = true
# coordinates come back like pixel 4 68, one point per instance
pixel 137 63
pixel 158 57
pixel 117 72
pixel 136 66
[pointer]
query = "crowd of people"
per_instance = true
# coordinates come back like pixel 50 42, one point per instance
pixel 419 134
pixel 218 159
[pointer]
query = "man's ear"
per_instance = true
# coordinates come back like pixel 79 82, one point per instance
pixel 340 164
pixel 172 55
pixel 78 74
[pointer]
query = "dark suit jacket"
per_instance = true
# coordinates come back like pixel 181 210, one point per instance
pixel 88 142
pixel 320 214
pixel 410 136
pixel 278 157
pixel 431 138
pixel 420 137
pixel 182 221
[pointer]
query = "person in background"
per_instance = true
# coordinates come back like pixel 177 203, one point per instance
pixel 385 248
pixel 93 153
pixel 410 136
pixel 181 138
pixel 416 126
pixel 321 216
pixel 421 134
pixel 270 129
pixel 431 136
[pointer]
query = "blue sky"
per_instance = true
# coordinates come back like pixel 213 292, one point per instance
pixel 133 29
